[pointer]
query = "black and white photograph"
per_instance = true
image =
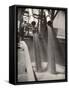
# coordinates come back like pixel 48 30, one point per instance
pixel 41 44
pixel 34 44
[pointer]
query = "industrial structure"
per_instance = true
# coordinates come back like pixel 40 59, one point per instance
pixel 41 44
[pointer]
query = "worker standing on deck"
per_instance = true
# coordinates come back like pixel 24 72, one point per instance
pixel 23 26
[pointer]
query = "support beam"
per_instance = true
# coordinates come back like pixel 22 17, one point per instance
pixel 51 51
